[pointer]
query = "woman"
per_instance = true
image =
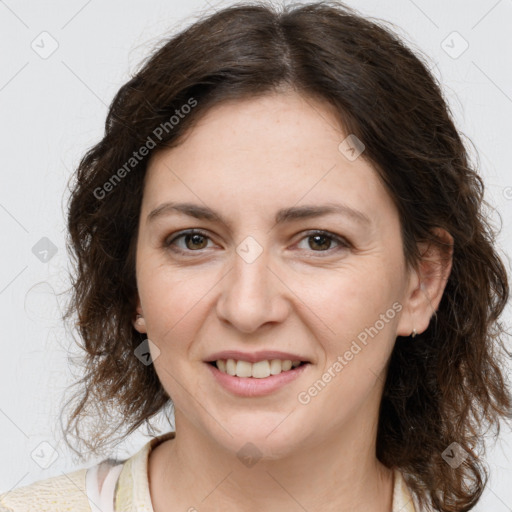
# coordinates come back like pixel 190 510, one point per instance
pixel 281 233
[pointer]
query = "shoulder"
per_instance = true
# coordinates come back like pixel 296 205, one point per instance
pixel 60 493
pixel 404 500
pixel 133 486
pixel 74 492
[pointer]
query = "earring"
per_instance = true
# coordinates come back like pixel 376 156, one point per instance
pixel 413 334
pixel 139 319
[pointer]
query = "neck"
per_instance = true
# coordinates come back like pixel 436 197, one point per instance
pixel 338 472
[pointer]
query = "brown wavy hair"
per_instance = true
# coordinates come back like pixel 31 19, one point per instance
pixel 448 385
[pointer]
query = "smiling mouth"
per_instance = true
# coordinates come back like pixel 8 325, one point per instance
pixel 258 370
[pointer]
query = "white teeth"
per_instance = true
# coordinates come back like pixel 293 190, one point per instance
pixel 230 367
pixel 275 366
pixel 243 369
pixel 259 370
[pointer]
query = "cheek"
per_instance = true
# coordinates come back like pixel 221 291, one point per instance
pixel 355 359
pixel 169 296
pixel 357 312
pixel 349 300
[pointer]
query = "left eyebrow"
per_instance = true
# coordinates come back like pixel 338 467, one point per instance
pixel 284 215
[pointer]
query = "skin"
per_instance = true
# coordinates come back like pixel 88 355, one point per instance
pixel 246 160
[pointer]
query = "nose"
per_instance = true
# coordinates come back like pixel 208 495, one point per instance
pixel 253 295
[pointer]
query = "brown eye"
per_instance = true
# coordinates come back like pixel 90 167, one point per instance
pixel 193 241
pixel 321 241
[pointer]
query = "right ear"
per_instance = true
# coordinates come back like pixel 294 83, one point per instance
pixel 138 321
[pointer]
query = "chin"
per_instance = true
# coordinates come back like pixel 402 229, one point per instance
pixel 265 439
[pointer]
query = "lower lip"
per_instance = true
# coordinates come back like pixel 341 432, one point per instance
pixel 250 386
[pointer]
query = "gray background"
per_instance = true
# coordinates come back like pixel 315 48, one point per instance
pixel 53 107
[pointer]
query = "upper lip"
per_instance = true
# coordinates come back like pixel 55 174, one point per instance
pixel 254 357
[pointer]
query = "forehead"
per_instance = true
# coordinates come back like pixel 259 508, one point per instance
pixel 279 149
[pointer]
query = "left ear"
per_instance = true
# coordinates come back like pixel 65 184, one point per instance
pixel 426 286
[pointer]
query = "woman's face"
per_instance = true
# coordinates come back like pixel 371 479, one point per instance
pixel 260 282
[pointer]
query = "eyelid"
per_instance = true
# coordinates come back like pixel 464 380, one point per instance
pixel 341 241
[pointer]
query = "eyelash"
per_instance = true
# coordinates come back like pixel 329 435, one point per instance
pixel 343 243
